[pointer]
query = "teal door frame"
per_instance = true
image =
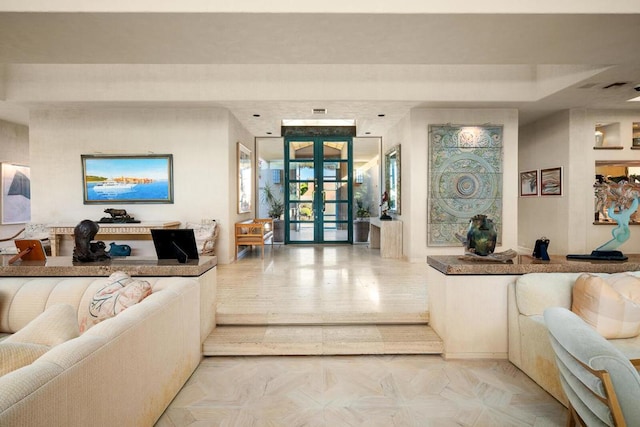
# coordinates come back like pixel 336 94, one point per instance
pixel 321 205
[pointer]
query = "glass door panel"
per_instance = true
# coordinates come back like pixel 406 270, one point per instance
pixel 319 187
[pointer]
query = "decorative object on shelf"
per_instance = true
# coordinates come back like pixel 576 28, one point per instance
pixel 118 216
pixel 465 178
pixel 119 250
pixel 480 241
pixel 85 250
pixel 503 257
pixel 384 207
pixel 481 236
pixel 127 179
pixel 622 199
pixel 540 249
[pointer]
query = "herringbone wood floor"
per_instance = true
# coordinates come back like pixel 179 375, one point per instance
pixel 418 390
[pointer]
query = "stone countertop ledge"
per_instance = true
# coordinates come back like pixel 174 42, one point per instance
pixel 63 266
pixel 523 264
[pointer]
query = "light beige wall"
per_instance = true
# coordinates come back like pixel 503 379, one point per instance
pixel 237 134
pixel 14 148
pixel 415 175
pixel 545 144
pixel 198 138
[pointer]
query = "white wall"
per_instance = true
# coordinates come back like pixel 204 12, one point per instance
pixel 545 144
pixel 14 148
pixel 413 135
pixel 200 139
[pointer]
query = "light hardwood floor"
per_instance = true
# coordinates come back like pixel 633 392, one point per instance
pixel 314 284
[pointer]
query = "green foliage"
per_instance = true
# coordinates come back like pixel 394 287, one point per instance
pixel 362 211
pixel 274 200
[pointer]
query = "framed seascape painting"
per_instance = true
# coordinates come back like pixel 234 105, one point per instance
pixel 127 179
pixel 551 182
pixel 244 179
pixel 529 183
pixel 16 194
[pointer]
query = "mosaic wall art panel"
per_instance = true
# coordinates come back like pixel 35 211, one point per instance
pixel 465 179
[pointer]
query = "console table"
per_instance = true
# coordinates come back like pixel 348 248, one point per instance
pixel 131 231
pixel 386 236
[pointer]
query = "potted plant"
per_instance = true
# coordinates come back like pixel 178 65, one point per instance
pixel 275 202
pixel 361 224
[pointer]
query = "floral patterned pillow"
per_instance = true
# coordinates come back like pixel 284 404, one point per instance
pixel 120 292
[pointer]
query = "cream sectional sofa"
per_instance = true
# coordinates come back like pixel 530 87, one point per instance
pixel 121 372
pixel 529 346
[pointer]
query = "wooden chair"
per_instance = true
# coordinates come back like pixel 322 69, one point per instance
pixel 601 384
pixel 256 232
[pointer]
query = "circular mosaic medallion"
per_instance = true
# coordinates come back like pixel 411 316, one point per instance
pixel 467 185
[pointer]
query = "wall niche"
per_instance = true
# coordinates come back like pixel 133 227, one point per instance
pixel 617 183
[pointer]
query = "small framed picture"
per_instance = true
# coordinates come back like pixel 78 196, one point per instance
pixel 529 183
pixel 551 182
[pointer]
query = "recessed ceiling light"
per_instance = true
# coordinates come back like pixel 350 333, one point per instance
pixel 256 115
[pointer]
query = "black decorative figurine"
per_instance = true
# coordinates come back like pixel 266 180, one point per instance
pixel 85 250
pixel 384 207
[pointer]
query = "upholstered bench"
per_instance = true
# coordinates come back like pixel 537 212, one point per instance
pixel 254 232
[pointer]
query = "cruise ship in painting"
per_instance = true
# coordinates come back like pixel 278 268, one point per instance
pixel 113 187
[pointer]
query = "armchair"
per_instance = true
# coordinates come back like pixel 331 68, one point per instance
pixel 601 384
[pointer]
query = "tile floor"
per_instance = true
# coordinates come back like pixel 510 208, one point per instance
pixel 294 282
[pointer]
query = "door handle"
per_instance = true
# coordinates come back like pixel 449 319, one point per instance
pixel 324 198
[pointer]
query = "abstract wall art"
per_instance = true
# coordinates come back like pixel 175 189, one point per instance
pixel 465 179
pixel 16 194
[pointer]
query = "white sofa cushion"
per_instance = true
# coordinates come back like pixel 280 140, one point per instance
pixel 15 355
pixel 537 291
pixel 606 304
pixel 54 326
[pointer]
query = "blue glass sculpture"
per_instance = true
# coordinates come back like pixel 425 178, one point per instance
pixel 626 198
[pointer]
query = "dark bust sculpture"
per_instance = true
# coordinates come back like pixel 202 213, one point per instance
pixel 85 250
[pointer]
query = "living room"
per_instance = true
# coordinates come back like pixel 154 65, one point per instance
pixel 194 80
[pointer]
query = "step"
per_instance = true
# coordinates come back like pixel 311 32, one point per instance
pixel 336 317
pixel 280 340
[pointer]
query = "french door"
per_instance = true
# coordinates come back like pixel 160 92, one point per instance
pixel 318 200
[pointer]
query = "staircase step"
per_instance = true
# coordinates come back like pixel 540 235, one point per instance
pixel 345 317
pixel 290 340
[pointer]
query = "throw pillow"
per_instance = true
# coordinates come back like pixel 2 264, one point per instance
pixel 120 292
pixel 602 303
pixel 55 325
pixel 203 234
pixel 15 355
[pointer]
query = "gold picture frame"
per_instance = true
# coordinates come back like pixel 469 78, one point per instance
pixel 245 179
